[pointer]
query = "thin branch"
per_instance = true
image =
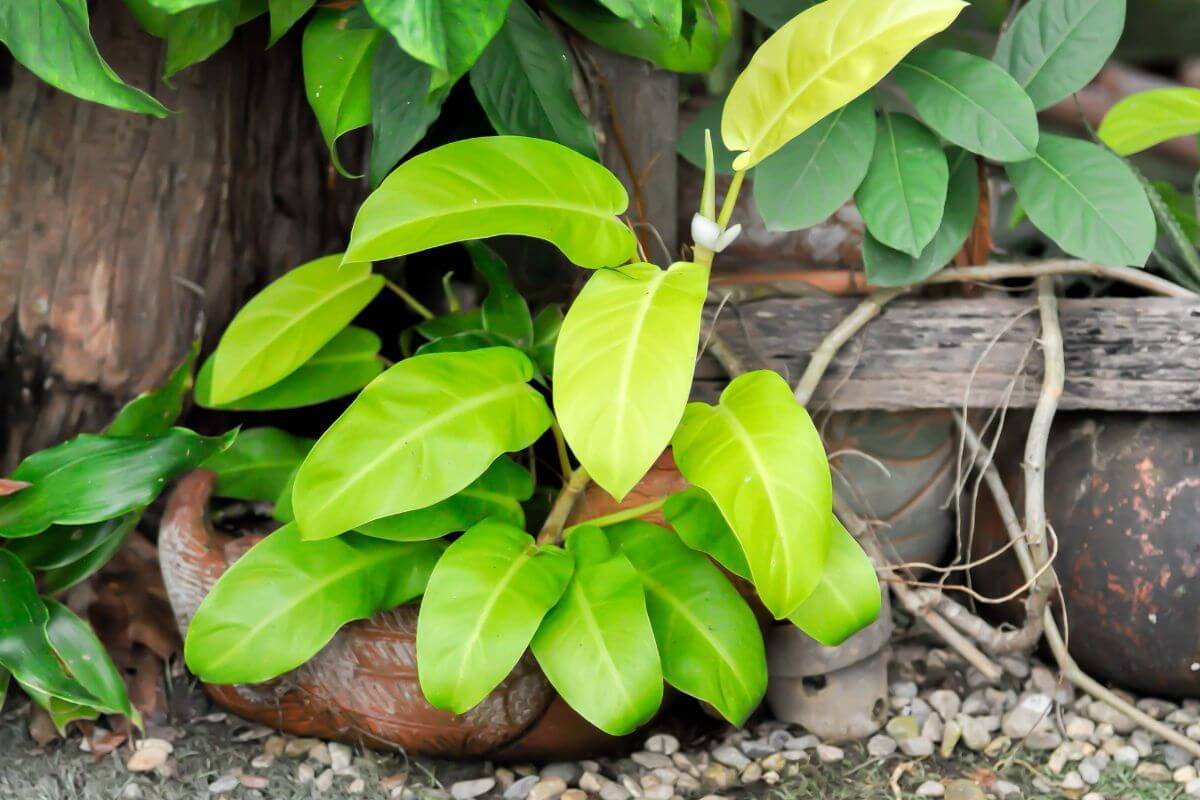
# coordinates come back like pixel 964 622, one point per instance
pixel 1043 413
pixel 1129 275
pixel 821 357
pixel 409 300
pixel 556 520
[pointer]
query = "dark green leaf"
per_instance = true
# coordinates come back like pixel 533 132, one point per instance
pixel 337 75
pixel 343 366
pixel 196 33
pixel 774 13
pixel 888 267
pixel 698 521
pixel 52 40
pixel 285 598
pixel 523 81
pixel 904 194
pixel 546 326
pixel 402 107
pixel 664 14
pixel 61 712
pixel 596 645
pixel 93 478
pixel 470 321
pixel 813 175
pixel 152 19
pixel 59 579
pixel 847 599
pixel 504 312
pixel 462 342
pixel 60 545
pixel 708 638
pixel 285 14
pixel 175 6
pixel 1182 208
pixel 447 36
pixel 691 141
pixel 258 464
pixel 84 656
pixel 152 413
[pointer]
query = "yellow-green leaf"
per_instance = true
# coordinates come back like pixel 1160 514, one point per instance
pixel 1148 118
pixel 847 599
pixel 818 62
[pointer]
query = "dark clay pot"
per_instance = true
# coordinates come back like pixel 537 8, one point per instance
pixel 362 687
pixel 1123 496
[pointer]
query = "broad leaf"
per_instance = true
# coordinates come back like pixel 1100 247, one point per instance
pixel 971 102
pixel 775 13
pixel 88 662
pixel 504 311
pixel 52 40
pixel 818 62
pixel 61 712
pixel 447 36
pixel 258 464
pixel 93 478
pixel 1087 200
pixel 847 599
pixel 176 6
pixel 596 646
pixel 343 366
pixel 486 598
pixel 452 323
pixel 155 412
pixel 691 141
pixel 461 342
pixel 546 327
pixel 759 457
pixel 812 176
pixel 1054 47
pixel 664 14
pixel 1145 119
pixel 708 638
pixel 476 188
pixel 496 494
pixel 337 75
pixel 284 14
pixel 60 545
pixel 196 33
pixel 402 107
pixel 24 648
pixel 623 367
pixel 523 81
pixel 698 521
pixel 697 50
pixel 282 601
pixel 1182 208
pixel 286 323
pixel 110 535
pixel 903 197
pixel 888 267
pixel 419 433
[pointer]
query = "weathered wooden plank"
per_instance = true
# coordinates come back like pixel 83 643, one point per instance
pixel 1121 354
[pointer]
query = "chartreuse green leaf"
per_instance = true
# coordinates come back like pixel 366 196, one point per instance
pixel 888 267
pixel 497 493
pixel 759 457
pixel 476 188
pixel 348 362
pixel 486 598
pixel 818 62
pixel 337 75
pixel 813 175
pixel 1087 200
pixel 284 14
pixel 86 659
pixel 402 107
pixel 847 599
pixel 597 646
pixel 504 311
pixel 53 41
pixel 446 36
pixel 697 49
pixel 523 81
pixel 971 102
pixel 708 638
pixel 281 602
pixel 110 535
pixel 1054 47
pixel 24 648
pixel 93 478
pixel 623 367
pixel 698 521
pixel 1148 118
pixel 419 433
pixel 286 323
pixel 60 545
pixel 903 197
pixel 152 413
pixel 258 464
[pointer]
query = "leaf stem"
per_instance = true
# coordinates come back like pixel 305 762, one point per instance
pixel 556 520
pixel 731 196
pixel 624 514
pixel 560 444
pixel 408 299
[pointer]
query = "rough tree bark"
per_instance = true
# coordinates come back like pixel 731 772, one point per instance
pixel 122 237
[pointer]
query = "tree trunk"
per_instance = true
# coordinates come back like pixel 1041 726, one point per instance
pixel 123 237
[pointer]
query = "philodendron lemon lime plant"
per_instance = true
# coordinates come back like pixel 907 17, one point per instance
pixel 420 488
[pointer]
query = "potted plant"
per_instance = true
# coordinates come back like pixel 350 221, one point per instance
pixel 414 491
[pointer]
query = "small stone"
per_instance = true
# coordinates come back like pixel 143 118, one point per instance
pixel 906 690
pixel 792 756
pixel 1033 713
pixel 1185 774
pixel 951 735
pixel 1126 756
pixel 1093 796
pixel 262 761
pixel 357 786
pixel 1080 727
pixel 319 753
pixel 1015 666
pixel 1152 771
pixel 1176 756
pixel 274 746
pixel 340 756
pixel 1089 773
pixel 520 788
pixel 1003 788
pixel 147 757
pixel 254 781
pixel 974 735
pixel 946 703
pixel 131 792
pixel 828 754
pixel 569 771
pixel 611 790
pixel 1193 788
pixel 467 790
pixel 1073 782
pixel 663 743
pixel 933 728
pixel 305 774
pixel 751 774
pixel 931 789
pixel 1103 712
pixel 757 748
pixel 1142 742
pixel 731 757
pixel 916 747
pixel 881 746
pixel 574 794
pixel 324 781
pixel 774 763
pixel 547 789
pixel 997 746
pixel 903 728
pixel 295 748
pixel 651 760
pixel 963 790
pixel 806 742
pixel 223 785
pixel 718 776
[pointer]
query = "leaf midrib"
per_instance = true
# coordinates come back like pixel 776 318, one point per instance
pixel 1058 45
pixel 970 100
pixel 1086 201
pixel 473 638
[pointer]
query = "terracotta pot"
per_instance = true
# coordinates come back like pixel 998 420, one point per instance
pixel 362 687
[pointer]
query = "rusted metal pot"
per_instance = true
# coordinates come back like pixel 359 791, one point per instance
pixel 362 687
pixel 1123 496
